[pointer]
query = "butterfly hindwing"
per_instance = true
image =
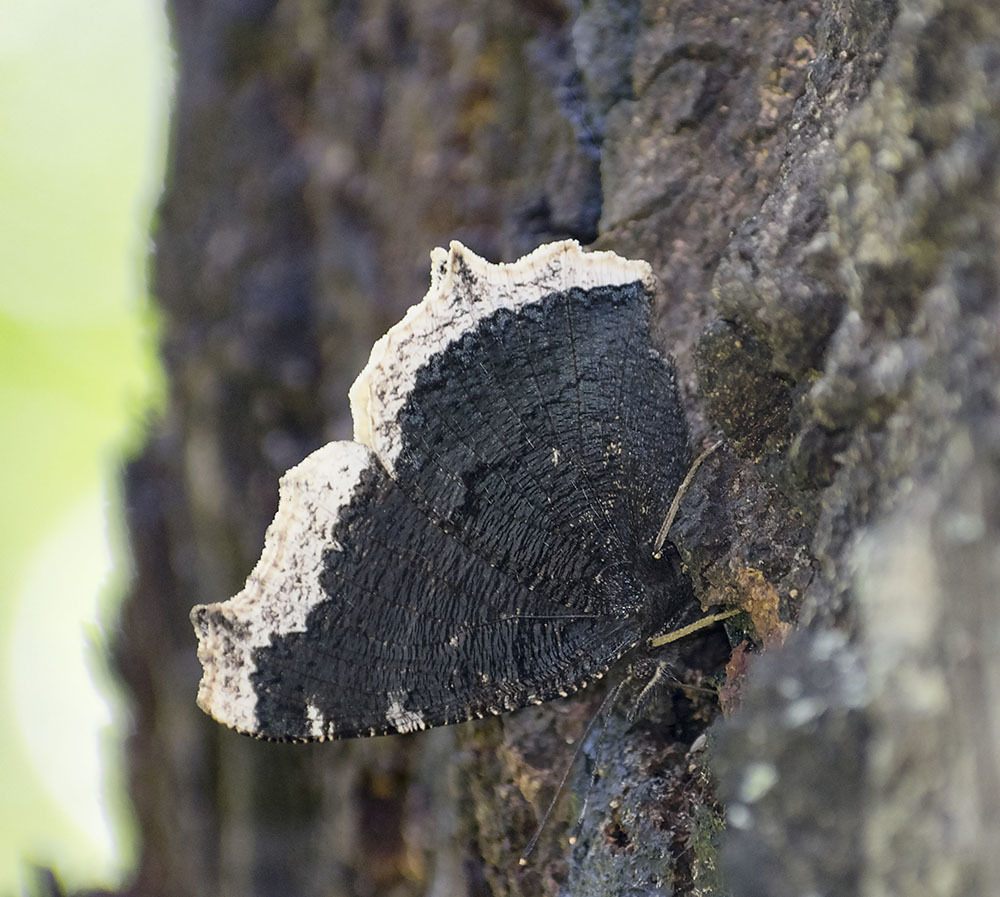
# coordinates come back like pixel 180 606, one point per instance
pixel 396 626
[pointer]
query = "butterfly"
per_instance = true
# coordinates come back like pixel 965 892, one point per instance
pixel 488 540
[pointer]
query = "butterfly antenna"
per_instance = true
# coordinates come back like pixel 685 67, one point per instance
pixel 609 699
pixel 662 670
pixel 596 774
pixel 668 521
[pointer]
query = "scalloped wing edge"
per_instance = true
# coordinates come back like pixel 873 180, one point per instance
pixel 465 289
pixel 284 585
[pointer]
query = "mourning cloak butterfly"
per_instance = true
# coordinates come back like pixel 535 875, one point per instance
pixel 487 540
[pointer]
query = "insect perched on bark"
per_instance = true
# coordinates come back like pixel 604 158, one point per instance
pixel 493 536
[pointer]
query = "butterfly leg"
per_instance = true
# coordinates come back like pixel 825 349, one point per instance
pixel 661 536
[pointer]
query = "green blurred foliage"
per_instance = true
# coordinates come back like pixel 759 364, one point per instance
pixel 83 106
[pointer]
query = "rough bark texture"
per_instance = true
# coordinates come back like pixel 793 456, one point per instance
pixel 816 185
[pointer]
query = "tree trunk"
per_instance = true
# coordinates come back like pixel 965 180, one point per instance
pixel 816 187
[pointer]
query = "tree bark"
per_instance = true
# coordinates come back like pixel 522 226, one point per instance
pixel 816 186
